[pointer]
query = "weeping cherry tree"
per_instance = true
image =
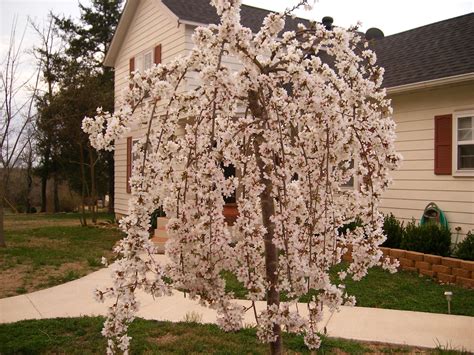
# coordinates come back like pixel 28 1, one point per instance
pixel 303 115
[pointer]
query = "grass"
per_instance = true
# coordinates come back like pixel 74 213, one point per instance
pixel 402 290
pixel 53 216
pixel 82 336
pixel 45 253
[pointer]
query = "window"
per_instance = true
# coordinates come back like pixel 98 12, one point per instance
pixel 464 141
pixel 135 148
pixel 351 182
pixel 132 156
pixel 144 60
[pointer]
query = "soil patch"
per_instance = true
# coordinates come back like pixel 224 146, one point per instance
pixel 27 278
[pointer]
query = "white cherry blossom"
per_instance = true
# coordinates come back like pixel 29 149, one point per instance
pixel 303 115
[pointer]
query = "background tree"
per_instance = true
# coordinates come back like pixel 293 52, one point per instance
pixel 76 83
pixel 88 42
pixel 16 114
pixel 303 115
pixel 48 54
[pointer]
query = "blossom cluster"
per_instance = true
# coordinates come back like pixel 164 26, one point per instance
pixel 303 115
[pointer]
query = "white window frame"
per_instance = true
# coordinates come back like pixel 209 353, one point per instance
pixel 134 153
pixel 355 180
pixel 140 59
pixel 456 170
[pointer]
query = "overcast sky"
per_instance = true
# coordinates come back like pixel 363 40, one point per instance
pixel 391 16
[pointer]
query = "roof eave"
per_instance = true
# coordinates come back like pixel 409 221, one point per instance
pixel 120 32
pixel 455 79
pixel 122 27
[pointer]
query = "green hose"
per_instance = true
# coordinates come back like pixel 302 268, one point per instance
pixel 433 214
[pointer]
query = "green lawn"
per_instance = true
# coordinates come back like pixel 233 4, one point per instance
pixel 54 216
pixel 402 290
pixel 47 250
pixel 82 336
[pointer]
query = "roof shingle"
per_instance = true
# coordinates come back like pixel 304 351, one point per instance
pixel 201 11
pixel 434 51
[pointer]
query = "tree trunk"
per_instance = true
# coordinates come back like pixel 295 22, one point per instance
pixel 268 209
pixel 2 229
pixel 271 251
pixel 83 187
pixel 44 181
pixel 44 189
pixel 29 184
pixel 2 198
pixel 56 193
pixel 93 194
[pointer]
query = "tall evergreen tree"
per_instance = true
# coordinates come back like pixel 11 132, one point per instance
pixel 80 73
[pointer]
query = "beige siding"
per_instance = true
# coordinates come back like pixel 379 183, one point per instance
pixel 415 184
pixel 227 61
pixel 151 25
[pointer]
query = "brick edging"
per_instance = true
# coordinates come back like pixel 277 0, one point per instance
pixel 445 269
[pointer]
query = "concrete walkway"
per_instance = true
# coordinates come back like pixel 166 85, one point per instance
pixel 75 299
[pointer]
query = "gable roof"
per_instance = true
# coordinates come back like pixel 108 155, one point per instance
pixel 429 53
pixel 202 12
pixel 438 50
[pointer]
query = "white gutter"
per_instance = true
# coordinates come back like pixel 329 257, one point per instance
pixel 455 79
pixel 192 23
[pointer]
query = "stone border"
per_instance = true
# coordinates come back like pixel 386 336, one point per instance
pixel 444 269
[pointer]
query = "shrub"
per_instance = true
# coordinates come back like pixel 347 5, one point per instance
pixel 350 226
pixel 465 249
pixel 428 238
pixel 393 229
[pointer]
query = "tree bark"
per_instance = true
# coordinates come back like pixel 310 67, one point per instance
pixel 271 251
pixel 44 189
pixel 56 193
pixel 29 182
pixel 3 243
pixel 93 194
pixel 83 187
pixel 44 180
pixel 268 209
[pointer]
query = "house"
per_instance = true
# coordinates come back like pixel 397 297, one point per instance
pixel 429 77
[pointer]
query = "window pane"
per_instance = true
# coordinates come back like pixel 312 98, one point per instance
pixel 464 134
pixel 465 122
pixel 139 63
pixel 135 148
pixel 147 61
pixel 349 183
pixel 466 156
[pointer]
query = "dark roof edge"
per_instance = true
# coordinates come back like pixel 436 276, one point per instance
pixel 430 24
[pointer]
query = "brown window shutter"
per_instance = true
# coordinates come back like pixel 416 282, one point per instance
pixel 443 145
pixel 158 54
pixel 131 68
pixel 129 163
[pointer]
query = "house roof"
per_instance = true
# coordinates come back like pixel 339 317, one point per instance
pixel 202 12
pixel 438 50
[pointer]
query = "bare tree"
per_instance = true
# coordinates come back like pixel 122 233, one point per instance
pixel 47 54
pixel 16 113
